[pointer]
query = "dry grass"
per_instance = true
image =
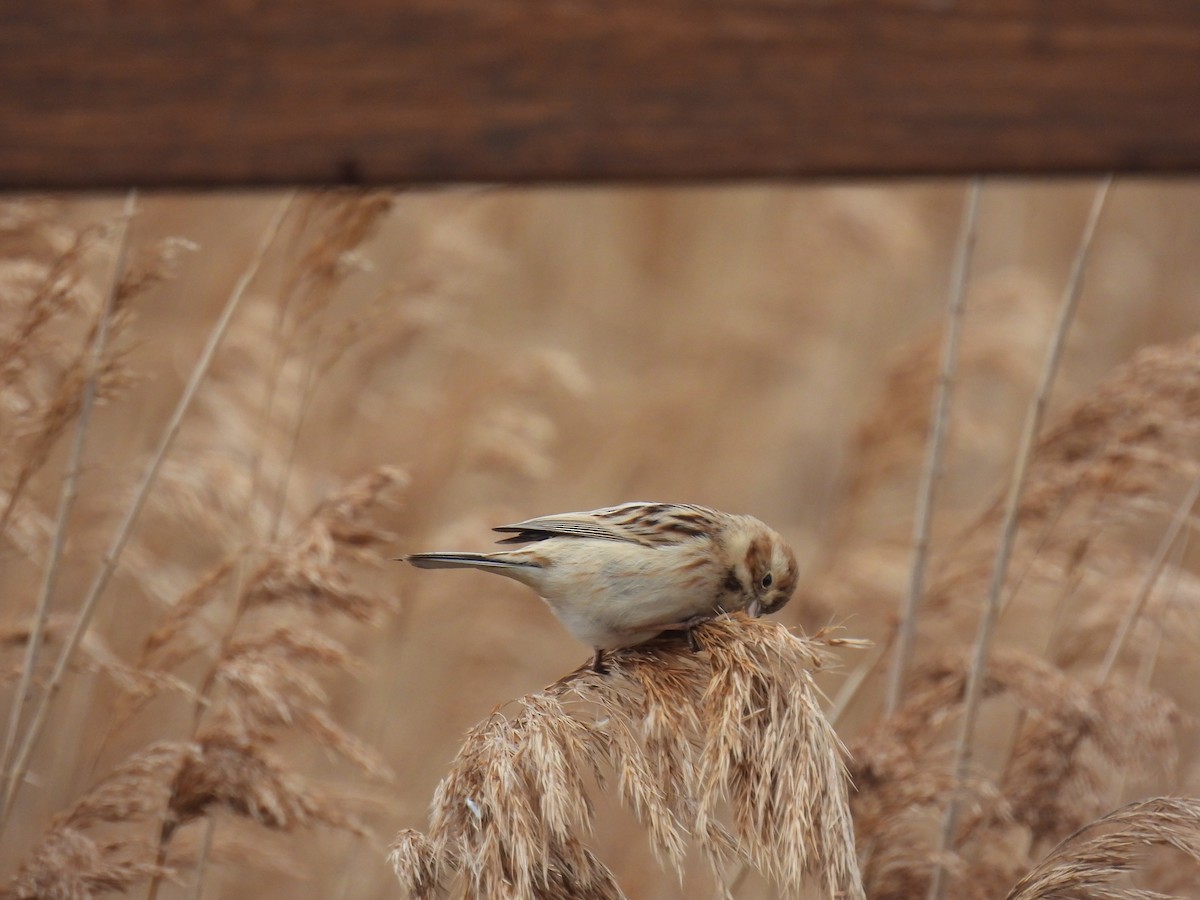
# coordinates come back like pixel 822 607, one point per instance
pixel 727 751
pixel 1086 866
pixel 242 696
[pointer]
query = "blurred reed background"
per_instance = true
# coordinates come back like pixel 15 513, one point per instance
pixel 263 699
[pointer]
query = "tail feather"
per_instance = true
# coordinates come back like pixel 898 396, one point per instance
pixel 462 561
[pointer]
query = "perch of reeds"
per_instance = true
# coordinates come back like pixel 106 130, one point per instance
pixel 726 751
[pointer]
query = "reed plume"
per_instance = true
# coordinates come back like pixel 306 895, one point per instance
pixel 1094 860
pixel 727 751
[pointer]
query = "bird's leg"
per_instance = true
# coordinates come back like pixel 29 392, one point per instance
pixel 689 626
pixel 598 665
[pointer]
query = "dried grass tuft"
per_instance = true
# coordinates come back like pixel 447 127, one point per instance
pixel 1087 867
pixel 263 681
pixel 228 772
pixel 726 750
pixel 1079 745
pixel 70 865
pixel 73 863
pixel 1113 466
pixel 312 570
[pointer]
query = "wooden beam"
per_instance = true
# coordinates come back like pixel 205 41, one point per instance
pixel 109 93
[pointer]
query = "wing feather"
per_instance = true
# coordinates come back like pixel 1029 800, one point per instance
pixel 649 524
pixel 581 525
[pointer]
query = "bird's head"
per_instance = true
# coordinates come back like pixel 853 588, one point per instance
pixel 764 566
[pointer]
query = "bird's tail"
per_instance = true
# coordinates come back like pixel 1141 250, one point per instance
pixel 464 561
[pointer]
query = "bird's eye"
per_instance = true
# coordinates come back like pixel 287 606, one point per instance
pixel 766 580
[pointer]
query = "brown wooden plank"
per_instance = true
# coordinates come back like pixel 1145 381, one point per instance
pixel 99 93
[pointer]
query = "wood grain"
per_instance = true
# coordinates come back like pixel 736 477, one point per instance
pixel 109 93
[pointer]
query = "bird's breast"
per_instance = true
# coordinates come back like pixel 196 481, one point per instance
pixel 607 593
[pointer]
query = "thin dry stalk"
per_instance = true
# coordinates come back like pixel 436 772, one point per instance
pixel 730 746
pixel 855 681
pixel 206 845
pixel 1138 606
pixel 312 375
pixel 1083 867
pixel 931 473
pixel 67 495
pixel 348 222
pixel 962 751
pixel 1150 655
pixel 15 778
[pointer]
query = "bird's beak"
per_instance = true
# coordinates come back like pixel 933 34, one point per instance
pixel 754 609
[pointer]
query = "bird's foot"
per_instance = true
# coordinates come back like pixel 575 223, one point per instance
pixel 690 627
pixel 687 625
pixel 598 665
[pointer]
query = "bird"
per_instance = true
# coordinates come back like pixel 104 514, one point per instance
pixel 621 575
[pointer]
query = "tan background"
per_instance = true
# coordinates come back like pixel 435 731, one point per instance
pixel 554 349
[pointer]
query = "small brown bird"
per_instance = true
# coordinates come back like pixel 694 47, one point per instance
pixel 619 576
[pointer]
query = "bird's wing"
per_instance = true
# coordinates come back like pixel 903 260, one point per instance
pixel 649 524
